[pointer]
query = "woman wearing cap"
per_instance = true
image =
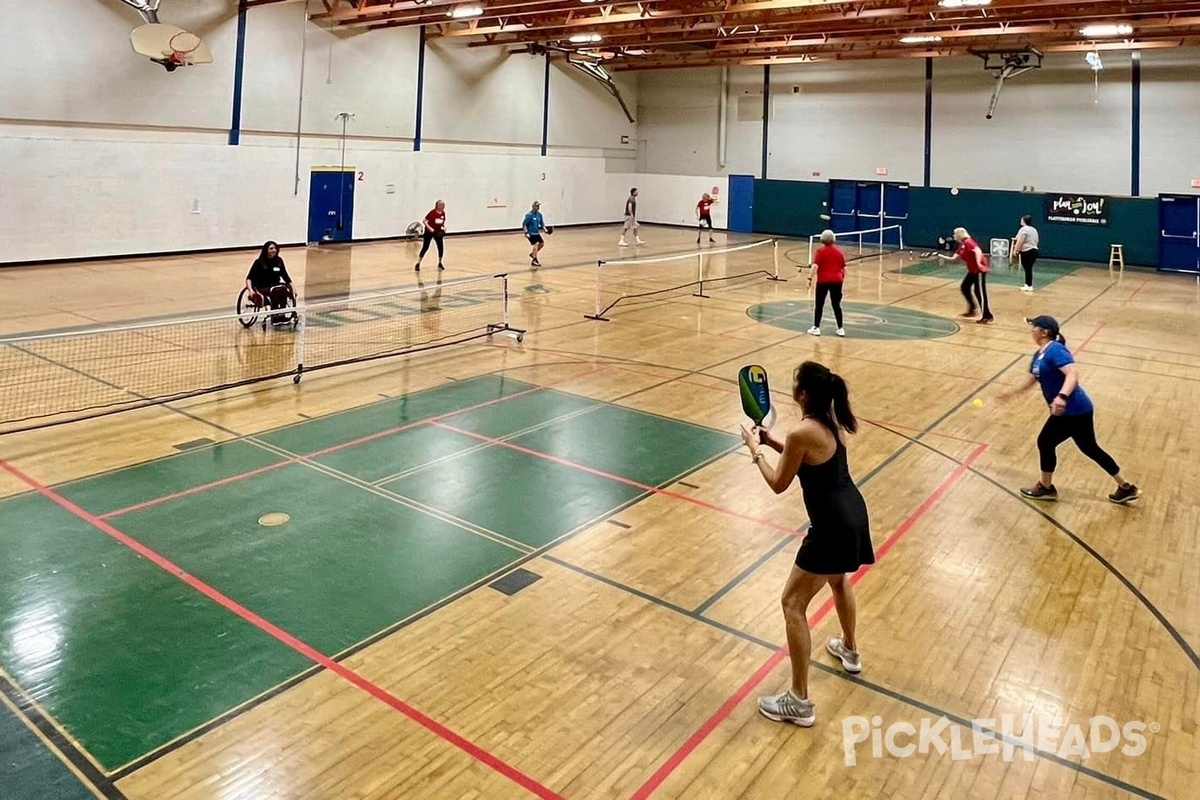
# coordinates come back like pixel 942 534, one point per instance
pixel 975 281
pixel 829 267
pixel 1071 413
pixel 1025 246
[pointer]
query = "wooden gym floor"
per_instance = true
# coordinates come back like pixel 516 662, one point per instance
pixel 547 568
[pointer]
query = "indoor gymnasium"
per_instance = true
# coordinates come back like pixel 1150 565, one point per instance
pixel 587 399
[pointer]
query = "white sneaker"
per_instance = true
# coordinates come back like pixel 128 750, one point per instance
pixel 639 241
pixel 841 331
pixel 1026 288
pixel 623 243
pixel 814 331
pixel 849 658
pixel 787 707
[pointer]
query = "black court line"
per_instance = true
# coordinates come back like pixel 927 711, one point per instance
pixel 883 690
pixel 689 485
pixel 69 751
pixel 1188 650
pixel 618 523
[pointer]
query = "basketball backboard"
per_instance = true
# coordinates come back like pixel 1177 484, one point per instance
pixel 170 46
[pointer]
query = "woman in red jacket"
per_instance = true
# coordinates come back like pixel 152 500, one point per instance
pixel 974 285
pixel 829 266
pixel 435 231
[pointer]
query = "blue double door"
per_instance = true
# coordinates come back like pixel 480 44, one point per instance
pixel 867 205
pixel 1179 232
pixel 331 204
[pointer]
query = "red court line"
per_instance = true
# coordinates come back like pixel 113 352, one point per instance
pixel 1090 337
pixel 1141 286
pixel 334 448
pixel 721 714
pixel 886 425
pixel 379 693
pixel 645 487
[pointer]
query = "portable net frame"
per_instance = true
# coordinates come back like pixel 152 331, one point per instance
pixel 643 280
pixel 859 245
pixel 50 379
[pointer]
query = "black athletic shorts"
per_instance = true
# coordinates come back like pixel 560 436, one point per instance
pixel 535 238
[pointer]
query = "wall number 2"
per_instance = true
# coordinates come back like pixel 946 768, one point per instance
pixel 360 177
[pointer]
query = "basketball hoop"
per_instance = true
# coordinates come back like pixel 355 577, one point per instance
pixel 182 46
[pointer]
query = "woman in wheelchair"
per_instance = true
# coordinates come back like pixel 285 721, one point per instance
pixel 269 283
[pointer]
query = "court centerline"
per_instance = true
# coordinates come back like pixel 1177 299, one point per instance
pixel 279 634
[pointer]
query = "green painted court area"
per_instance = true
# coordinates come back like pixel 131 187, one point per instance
pixel 1044 272
pixel 863 320
pixel 390 508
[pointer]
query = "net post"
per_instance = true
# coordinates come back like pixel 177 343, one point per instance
pixel 301 341
pixel 598 314
pixel 504 284
pixel 810 251
pixel 699 276
pixel 774 276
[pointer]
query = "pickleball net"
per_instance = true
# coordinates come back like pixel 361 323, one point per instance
pixel 49 379
pixel 644 280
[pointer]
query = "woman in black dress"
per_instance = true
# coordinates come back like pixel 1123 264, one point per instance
pixel 839 535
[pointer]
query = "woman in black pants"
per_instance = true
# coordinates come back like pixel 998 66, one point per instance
pixel 1025 246
pixel 1072 415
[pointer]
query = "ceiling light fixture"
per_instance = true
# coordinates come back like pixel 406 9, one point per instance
pixel 585 38
pixel 462 12
pixel 1106 30
pixel 964 3
pixel 920 39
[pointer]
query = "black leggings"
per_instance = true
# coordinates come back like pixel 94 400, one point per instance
pixel 433 236
pixel 704 220
pixel 834 291
pixel 1081 428
pixel 976 282
pixel 1028 259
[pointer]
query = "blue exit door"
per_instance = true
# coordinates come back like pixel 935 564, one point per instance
pixel 741 203
pixel 1179 236
pixel 331 204
pixel 867 205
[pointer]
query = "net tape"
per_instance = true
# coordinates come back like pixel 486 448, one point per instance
pixel 53 378
pixel 617 283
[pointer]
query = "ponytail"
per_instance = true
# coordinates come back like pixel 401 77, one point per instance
pixel 841 405
pixel 826 397
pixel 1058 337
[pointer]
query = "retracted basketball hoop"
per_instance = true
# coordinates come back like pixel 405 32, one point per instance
pixel 170 46
pixel 1007 64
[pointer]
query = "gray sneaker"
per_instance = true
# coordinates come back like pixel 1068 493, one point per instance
pixel 787 707
pixel 849 658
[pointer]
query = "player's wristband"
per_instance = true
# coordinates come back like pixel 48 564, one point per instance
pixel 1064 396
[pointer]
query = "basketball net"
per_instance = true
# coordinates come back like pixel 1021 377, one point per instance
pixel 182 45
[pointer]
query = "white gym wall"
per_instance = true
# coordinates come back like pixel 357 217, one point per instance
pixel 106 153
pixel 1052 129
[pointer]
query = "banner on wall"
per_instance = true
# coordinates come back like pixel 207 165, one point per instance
pixel 1077 209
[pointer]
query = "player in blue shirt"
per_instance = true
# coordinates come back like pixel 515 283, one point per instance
pixel 1071 413
pixel 532 228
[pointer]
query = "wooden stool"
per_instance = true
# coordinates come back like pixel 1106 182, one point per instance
pixel 1116 259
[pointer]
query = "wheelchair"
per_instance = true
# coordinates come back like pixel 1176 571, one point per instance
pixel 251 309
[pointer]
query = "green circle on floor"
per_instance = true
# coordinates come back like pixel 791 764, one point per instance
pixel 863 320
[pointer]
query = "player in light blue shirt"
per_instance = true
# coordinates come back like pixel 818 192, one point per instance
pixel 532 228
pixel 1072 415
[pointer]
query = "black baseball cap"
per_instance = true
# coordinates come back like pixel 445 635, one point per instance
pixel 1046 323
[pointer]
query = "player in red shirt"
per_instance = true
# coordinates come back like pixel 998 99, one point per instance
pixel 829 266
pixel 703 215
pixel 974 285
pixel 435 231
